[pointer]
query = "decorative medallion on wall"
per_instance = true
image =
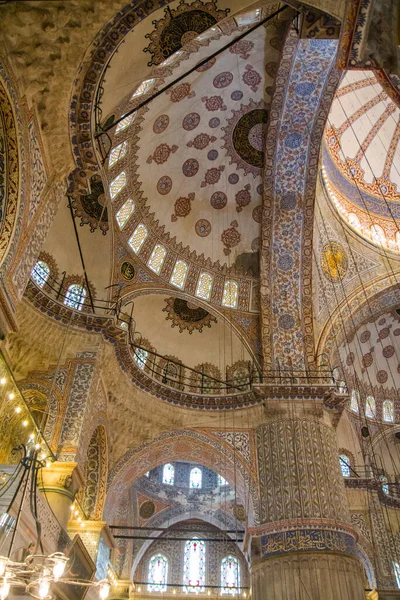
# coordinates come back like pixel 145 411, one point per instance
pixel 334 261
pixel 127 271
pixel 244 135
pixel 179 26
pixel 240 512
pixel 91 207
pixel 186 315
pixel 147 510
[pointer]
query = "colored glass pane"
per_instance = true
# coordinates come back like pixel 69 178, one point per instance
pixel 140 357
pixel 230 296
pixel 158 573
pixel 179 273
pixel 345 465
pixel 75 296
pixel 385 486
pixel 195 478
pixel 354 402
pixel 40 273
pixel 194 566
pixel 230 575
pixel 168 474
pixel 125 212
pixel 370 407
pixel 157 258
pixel 204 286
pixel 138 237
pixel 388 411
pixel 117 184
pixel 125 123
pixel 221 480
pixel 396 569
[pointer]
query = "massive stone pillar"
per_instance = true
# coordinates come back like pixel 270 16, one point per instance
pixel 305 548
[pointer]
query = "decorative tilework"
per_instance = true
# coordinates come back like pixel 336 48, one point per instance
pixel 307 81
pixel 38 173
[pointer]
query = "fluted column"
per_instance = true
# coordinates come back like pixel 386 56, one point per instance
pixel 305 548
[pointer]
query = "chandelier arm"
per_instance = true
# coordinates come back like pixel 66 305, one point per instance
pixel 11 480
pixel 33 503
pixel 25 476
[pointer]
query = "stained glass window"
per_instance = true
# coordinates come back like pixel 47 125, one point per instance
pixel 75 296
pixel 157 258
pixel 168 474
pixel 345 465
pixel 396 569
pixel 138 237
pixel 194 566
pixel 158 573
pixel 204 286
pixel 221 480
pixel 144 87
pixel 195 478
pixel 354 402
pixel 117 153
pixel 398 240
pixel 40 273
pixel 140 357
pixel 230 296
pixel 125 123
pixel 117 184
pixel 230 575
pixel 388 411
pixel 385 486
pixel 125 212
pixel 179 273
pixel 370 407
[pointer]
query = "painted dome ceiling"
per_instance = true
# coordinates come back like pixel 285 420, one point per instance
pixel 361 158
pixel 193 156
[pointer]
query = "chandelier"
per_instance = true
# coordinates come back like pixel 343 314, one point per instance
pixel 36 574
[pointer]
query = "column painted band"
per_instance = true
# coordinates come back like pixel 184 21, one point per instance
pixel 308 540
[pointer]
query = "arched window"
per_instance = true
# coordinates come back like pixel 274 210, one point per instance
pixel 140 357
pixel 342 389
pixel 156 259
pixel 385 485
pixel 75 296
pixel 158 573
pixel 40 273
pixel 179 273
pixel 388 411
pixel 117 153
pixel 230 575
pixel 370 407
pixel 168 474
pixel 125 212
pixel 354 402
pixel 398 240
pixel 204 286
pixel 222 481
pixel 144 88
pixel 230 295
pixel 125 123
pixel 354 221
pixel 378 235
pixel 196 477
pixel 194 566
pixel 138 237
pixel 117 184
pixel 345 465
pixel 396 569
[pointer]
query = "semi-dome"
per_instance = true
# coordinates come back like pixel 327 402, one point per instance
pixel 361 156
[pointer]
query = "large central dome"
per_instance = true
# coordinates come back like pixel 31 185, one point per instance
pixel 361 157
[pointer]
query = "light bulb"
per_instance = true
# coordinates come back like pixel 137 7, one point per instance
pixel 59 566
pixel 11 396
pixel 4 589
pixel 104 589
pixel 3 381
pixel 3 564
pixel 25 423
pixel 139 589
pixel 44 587
pixel 17 409
pixel 208 593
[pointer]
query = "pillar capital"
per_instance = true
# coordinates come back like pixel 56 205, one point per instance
pixel 90 532
pixel 65 478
